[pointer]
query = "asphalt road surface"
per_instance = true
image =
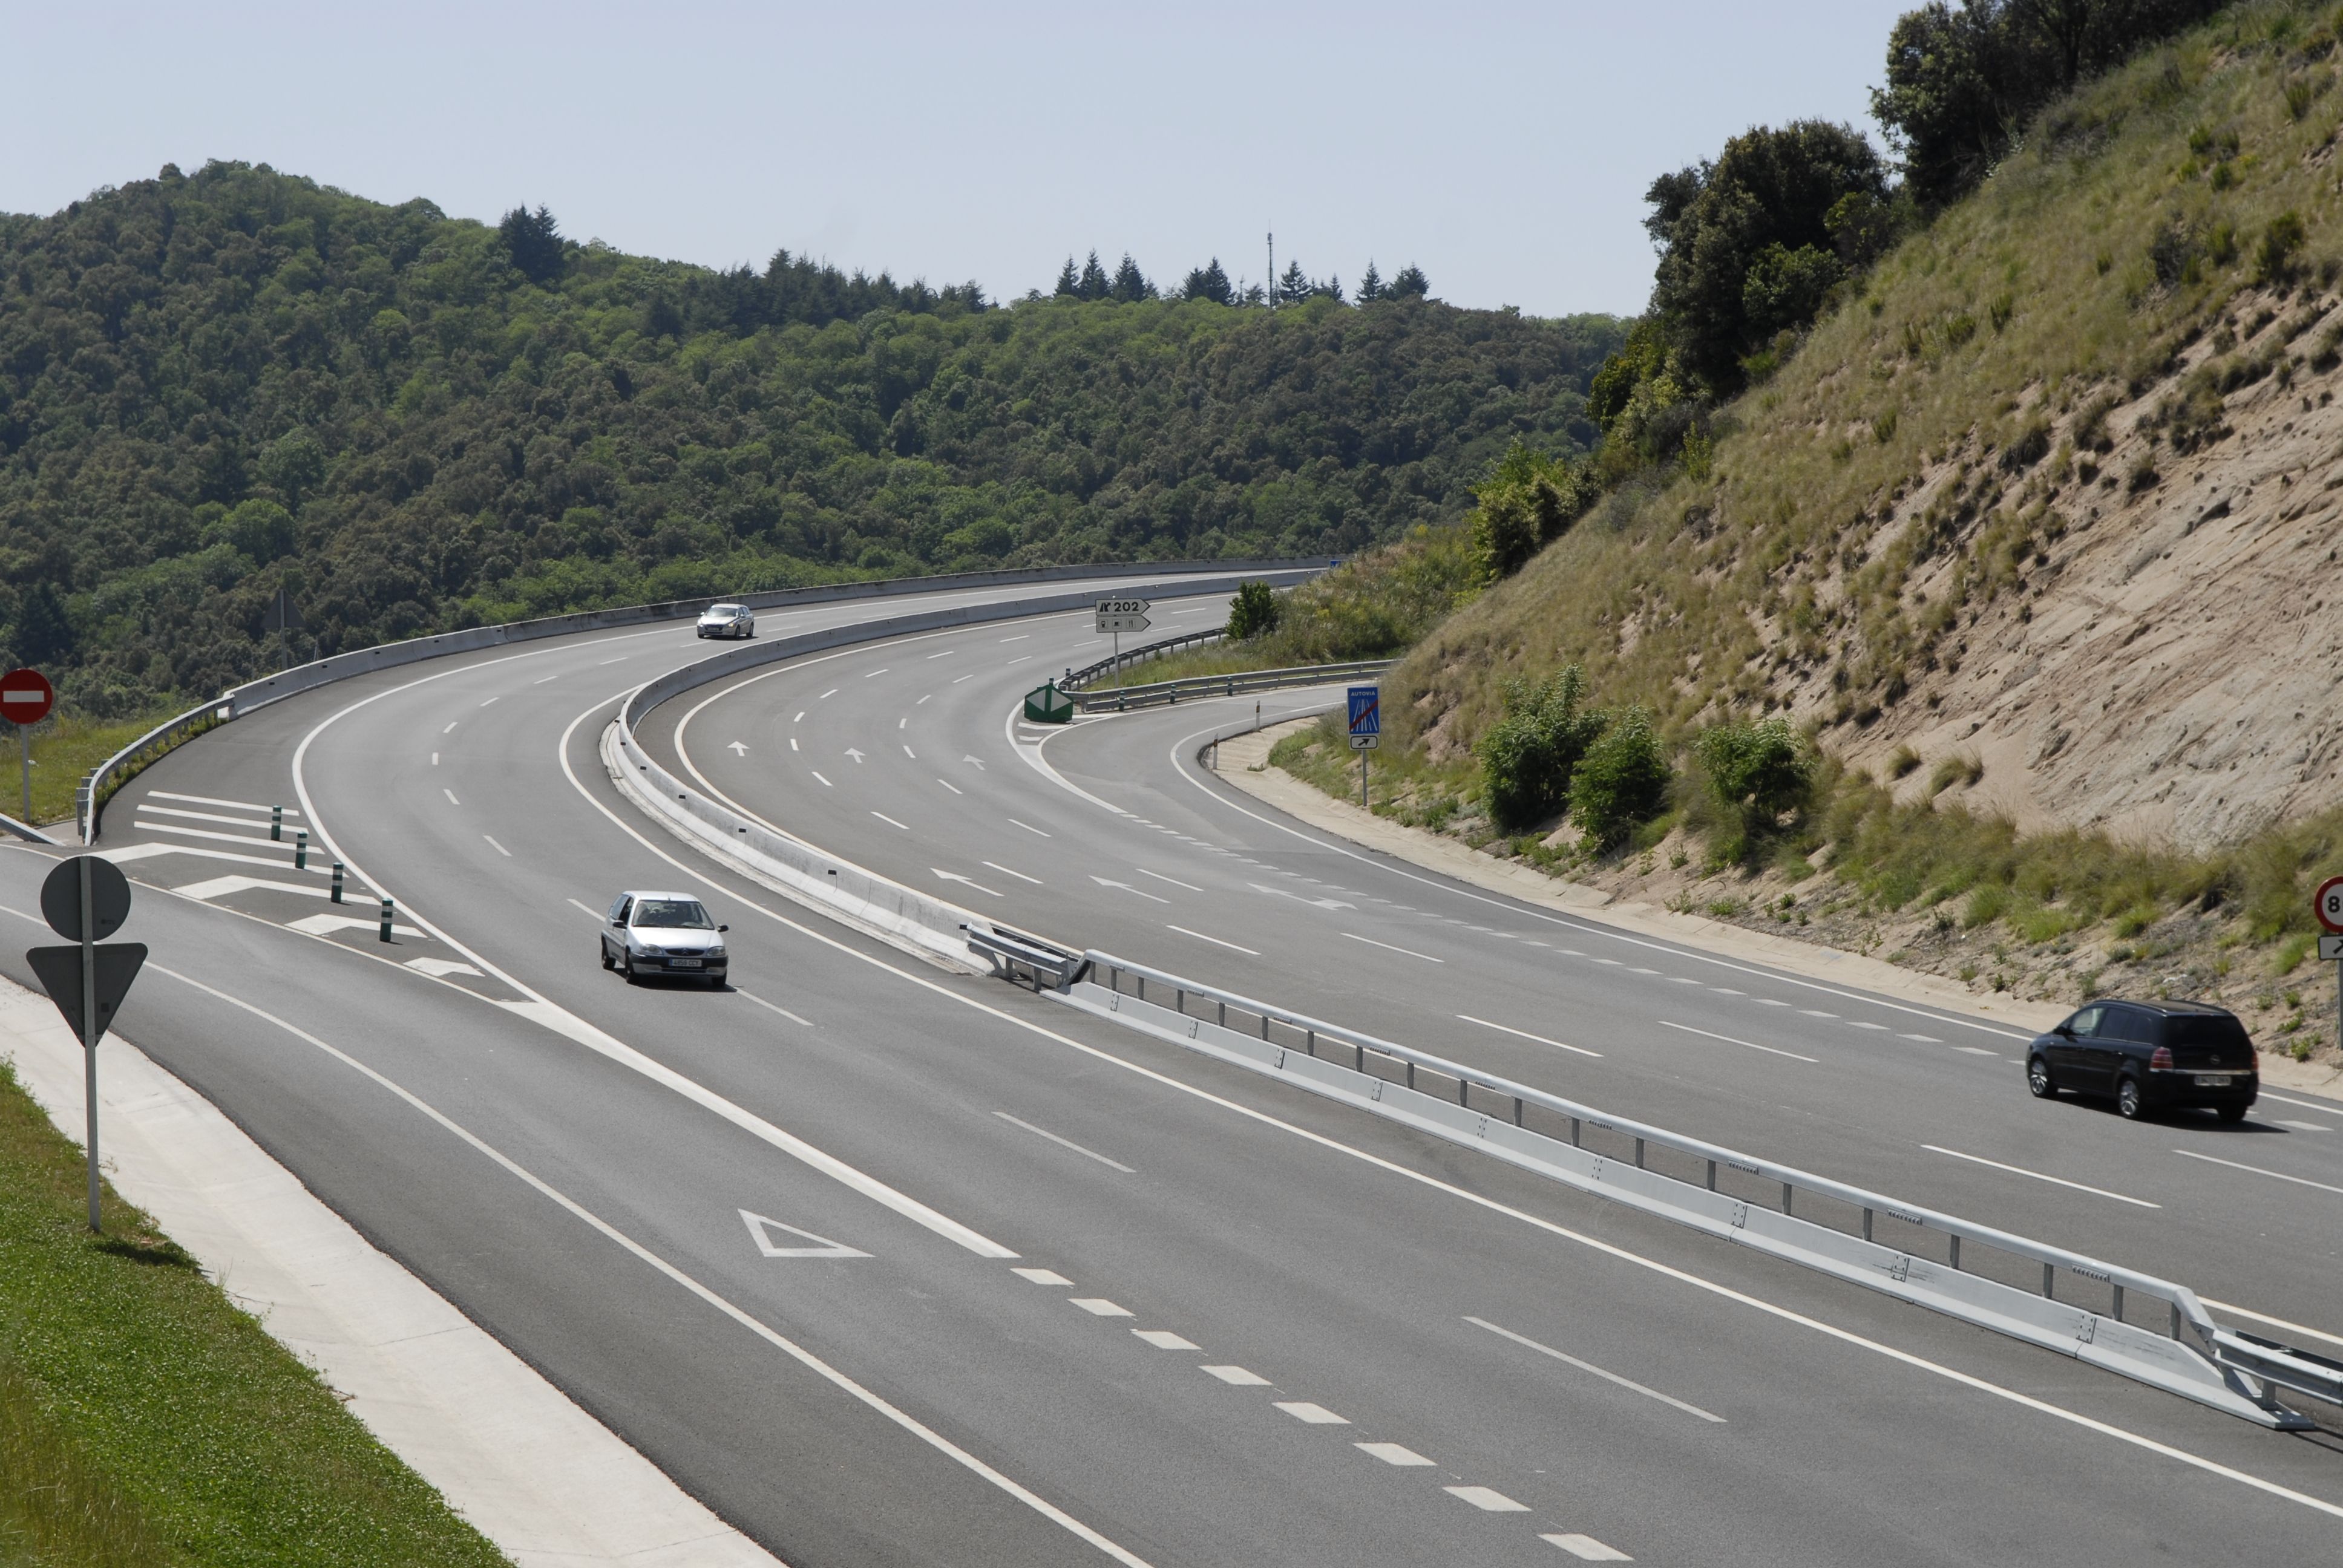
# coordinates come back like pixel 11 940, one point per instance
pixel 892 1266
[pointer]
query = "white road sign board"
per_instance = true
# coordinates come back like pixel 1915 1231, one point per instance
pixel 1121 615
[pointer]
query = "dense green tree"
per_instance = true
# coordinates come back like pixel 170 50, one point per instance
pixel 1209 283
pixel 1070 281
pixel 1371 286
pixel 532 243
pixel 1131 285
pixel 1254 612
pixel 1095 284
pixel 44 637
pixel 1408 283
pixel 1529 757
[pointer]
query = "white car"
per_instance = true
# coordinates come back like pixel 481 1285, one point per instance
pixel 726 620
pixel 650 933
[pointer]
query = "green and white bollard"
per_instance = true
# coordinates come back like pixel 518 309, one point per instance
pixel 386 919
pixel 338 882
pixel 301 849
pixel 276 824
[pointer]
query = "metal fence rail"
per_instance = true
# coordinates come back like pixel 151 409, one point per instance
pixel 2103 1312
pixel 1075 679
pixel 1167 692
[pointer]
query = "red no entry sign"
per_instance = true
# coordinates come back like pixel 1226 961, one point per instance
pixel 26 696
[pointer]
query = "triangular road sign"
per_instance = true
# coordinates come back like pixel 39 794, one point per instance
pixel 59 972
pixel 762 1231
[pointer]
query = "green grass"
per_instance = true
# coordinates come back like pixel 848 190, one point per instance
pixel 65 746
pixel 145 1420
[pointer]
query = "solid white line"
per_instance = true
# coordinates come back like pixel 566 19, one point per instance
pixel 997 865
pixel 2330 1107
pixel 215 800
pixel 1598 1372
pixel 1392 1453
pixel 1250 952
pixel 1068 1143
pixel 143 825
pixel 1028 828
pixel 451 796
pixel 148 808
pixel 1775 1051
pixel 1302 1410
pixel 2258 1171
pixel 777 1007
pixel 1578 1238
pixel 825 783
pixel 500 848
pixel 891 822
pixel 1526 1034
pixel 1411 952
pixel 2274 1322
pixel 1174 881
pixel 2038 1176
pixel 755 1326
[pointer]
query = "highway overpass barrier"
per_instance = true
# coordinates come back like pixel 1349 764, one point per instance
pixel 929 926
pixel 90 795
pixel 2135 1325
pixel 1163 693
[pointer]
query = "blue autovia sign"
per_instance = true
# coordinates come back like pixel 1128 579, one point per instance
pixel 1366 715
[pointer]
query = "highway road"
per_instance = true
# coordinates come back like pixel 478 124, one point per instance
pixel 888 1265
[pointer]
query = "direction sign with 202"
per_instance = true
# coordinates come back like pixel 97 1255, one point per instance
pixel 1120 614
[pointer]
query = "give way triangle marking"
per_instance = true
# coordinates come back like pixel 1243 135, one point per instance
pixel 762 1231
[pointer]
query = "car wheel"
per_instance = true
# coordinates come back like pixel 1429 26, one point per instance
pixel 608 962
pixel 2129 1104
pixel 2230 1112
pixel 627 966
pixel 2038 1080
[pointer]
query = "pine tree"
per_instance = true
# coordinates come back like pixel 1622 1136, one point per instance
pixel 1294 286
pixel 533 241
pixel 1371 287
pixel 1069 286
pixel 1208 282
pixel 1408 283
pixel 1131 286
pixel 1094 284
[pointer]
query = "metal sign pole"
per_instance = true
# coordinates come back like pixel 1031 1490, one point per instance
pixel 89 1029
pixel 25 747
pixel 1363 782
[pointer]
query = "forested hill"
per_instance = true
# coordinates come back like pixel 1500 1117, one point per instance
pixel 214 384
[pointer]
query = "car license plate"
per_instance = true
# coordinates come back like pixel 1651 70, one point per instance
pixel 694 963
pixel 2212 1081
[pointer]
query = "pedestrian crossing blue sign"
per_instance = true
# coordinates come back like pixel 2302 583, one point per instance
pixel 1366 716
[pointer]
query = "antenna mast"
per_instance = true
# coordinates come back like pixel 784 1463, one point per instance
pixel 1273 269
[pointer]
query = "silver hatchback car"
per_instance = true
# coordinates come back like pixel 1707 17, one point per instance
pixel 726 620
pixel 648 933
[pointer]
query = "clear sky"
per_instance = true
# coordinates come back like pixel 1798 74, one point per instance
pixel 1503 149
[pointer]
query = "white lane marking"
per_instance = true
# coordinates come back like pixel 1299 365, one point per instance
pixel 1769 1049
pixel 1769 1002
pixel 148 808
pixel 922 700
pixel 1068 1143
pixel 451 726
pixel 1629 1383
pixel 775 1007
pixel 1237 1375
pixel 1586 1549
pixel 910 753
pixel 1614 963
pixel 1041 1276
pixel 1100 1307
pixel 762 1229
pixel 957 790
pixel 904 722
pixel 1250 952
pixel 1816 1012
pixel 945 654
pixel 1637 972
pixel 2331 1108
pixel 1487 1499
pixel 793 744
pixel 800 717
pixel 1727 991
pixel 1174 881
pixel 956 876
pixel 891 822
pixel 593 915
pixel 215 800
pixel 2038 1176
pixel 451 796
pixel 1020 658
pixel 1923 1039
pixel 2304 1126
pixel 825 782
pixel 746 1320
pixel 1126 887
pixel 873 674
pixel 827 695
pixel 221 886
pixel 542 681
pixel 1391 1453
pixel 1919 1363
pixel 997 865
pixel 1021 637
pixel 326 925
pixel 1526 1034
pixel 2274 1322
pixel 435 759
pixel 620 659
pixel 963 678
pixel 440 969
pixel 1859 1023
pixel 1411 952
pixel 143 826
pixel 2258 1171
pixel 500 848
pixel 1314 1414
pixel 1688 980
pixel 1165 1340
pixel 490 703
pixel 1977 1051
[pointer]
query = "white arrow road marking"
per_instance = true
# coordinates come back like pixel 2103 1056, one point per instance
pixel 1297 897
pixel 956 876
pixel 855 752
pixel 737 749
pixel 979 766
pixel 1126 887
pixel 220 886
pixel 761 1230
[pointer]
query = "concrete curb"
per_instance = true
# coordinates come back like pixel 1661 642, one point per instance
pixel 550 1485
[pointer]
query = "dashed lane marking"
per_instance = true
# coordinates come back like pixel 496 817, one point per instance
pixel 1606 1376
pixel 1165 1340
pixel 1587 1549
pixel 1302 1410
pixel 1250 952
pixel 1100 1307
pixel 2061 1180
pixel 1391 1453
pixel 775 1007
pixel 1508 1029
pixel 500 848
pixel 2256 1169
pixel 1237 1375
pixel 1085 1153
pixel 451 796
pixel 1041 1276
pixel 1487 1499
pixel 825 782
pixel 1411 952
pixel 1923 1039
pixel 997 865
pixel 1768 1050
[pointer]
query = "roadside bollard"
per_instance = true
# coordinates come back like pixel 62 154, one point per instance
pixel 338 882
pixel 276 824
pixel 301 849
pixel 386 919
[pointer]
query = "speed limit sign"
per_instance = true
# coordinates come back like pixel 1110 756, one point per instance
pixel 2328 904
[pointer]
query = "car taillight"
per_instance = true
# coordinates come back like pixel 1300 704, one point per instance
pixel 2162 1061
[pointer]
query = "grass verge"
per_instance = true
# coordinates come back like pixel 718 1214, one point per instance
pixel 145 1420
pixel 65 746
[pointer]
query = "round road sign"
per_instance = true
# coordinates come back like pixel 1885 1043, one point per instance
pixel 26 696
pixel 2328 904
pixel 109 893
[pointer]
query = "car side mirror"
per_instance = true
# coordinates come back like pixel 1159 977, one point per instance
pixel 724 927
pixel 2064 1030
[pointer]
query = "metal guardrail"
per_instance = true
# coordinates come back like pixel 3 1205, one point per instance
pixel 1075 679
pixel 1013 950
pixel 90 796
pixel 1168 692
pixel 1977 1273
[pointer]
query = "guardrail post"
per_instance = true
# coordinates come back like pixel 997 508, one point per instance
pixel 1461 1085
pixel 1517 1110
pixel 1359 1058
pixel 1573 1132
pixel 1785 1197
pixel 1310 1040
pixel 1639 1154
pixel 276 824
pixel 2175 1319
pixel 1712 1187
pixel 1142 986
pixel 386 919
pixel 1866 1224
pixel 1411 1073
pixel 301 849
pixel 1956 1254
pixel 1224 1015
pixel 2049 1281
pixel 2118 1313
pixel 337 882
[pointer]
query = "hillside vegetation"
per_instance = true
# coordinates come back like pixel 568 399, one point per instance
pixel 2031 536
pixel 217 385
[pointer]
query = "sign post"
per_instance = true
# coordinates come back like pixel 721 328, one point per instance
pixel 1366 731
pixel 27 696
pixel 2327 903
pixel 88 898
pixel 1117 616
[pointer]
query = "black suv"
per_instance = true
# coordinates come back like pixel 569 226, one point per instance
pixel 2148 1055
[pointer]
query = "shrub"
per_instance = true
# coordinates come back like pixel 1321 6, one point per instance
pixel 1527 758
pixel 1256 612
pixel 1620 781
pixel 2275 258
pixel 1759 770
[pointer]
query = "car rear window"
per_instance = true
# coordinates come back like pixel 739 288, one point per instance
pixel 684 912
pixel 2219 1033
